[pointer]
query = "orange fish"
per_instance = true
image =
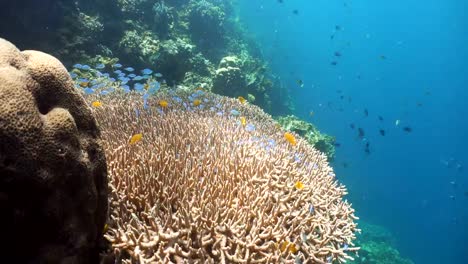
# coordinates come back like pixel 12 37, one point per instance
pixel 196 102
pixel 163 103
pixel 290 138
pixel 136 138
pixel 96 104
pixel 241 99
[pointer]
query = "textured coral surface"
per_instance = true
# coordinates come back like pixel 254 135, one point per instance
pixel 201 178
pixel 53 185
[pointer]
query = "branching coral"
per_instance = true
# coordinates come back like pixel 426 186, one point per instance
pixel 214 181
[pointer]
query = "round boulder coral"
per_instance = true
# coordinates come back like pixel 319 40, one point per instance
pixel 53 180
pixel 201 178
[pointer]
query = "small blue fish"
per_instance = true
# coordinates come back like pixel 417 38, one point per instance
pixel 100 66
pixel 86 67
pixel 159 75
pixel 345 247
pixel 117 65
pixel 146 71
pixel 139 87
pixel 83 80
pixel 78 66
pixel 124 79
pixel 88 90
pixel 311 209
pixel 177 99
pixel 117 71
pixel 132 75
pixel 249 127
pixel 112 79
pixel 126 88
pixel 129 69
pixel 104 92
pixel 122 74
pixel 206 100
pixel 105 75
pixel 138 78
pixel 73 75
pixel 234 112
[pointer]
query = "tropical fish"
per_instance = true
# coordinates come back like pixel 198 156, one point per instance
pixel 249 127
pixel 361 133
pixel 407 129
pixel 85 67
pixel 242 100
pixel 300 83
pixel 196 102
pixel 100 66
pixel 288 246
pixel 163 103
pixel 234 112
pixel 290 138
pixel 117 65
pixel 382 132
pixel 88 90
pixel 136 138
pixel 96 104
pixel 311 113
pixel 129 69
pixel 397 122
pixel 299 185
pixel 243 120
pixel 146 71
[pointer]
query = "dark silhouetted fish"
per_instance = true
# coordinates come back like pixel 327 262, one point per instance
pixel 337 27
pixel 361 133
pixel 382 132
pixel 337 54
pixel 366 113
pixel 337 144
pixel 380 118
pixel 334 63
pixel 407 129
pixel 367 148
pixel 280 1
pixel 296 12
pixel 341 97
pixel 352 126
pixel 332 36
pixel 345 165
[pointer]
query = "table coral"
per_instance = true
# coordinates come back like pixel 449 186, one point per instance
pixel 53 180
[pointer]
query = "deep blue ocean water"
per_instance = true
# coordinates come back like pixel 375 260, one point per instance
pixel 401 60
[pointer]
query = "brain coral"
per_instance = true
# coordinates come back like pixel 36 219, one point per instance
pixel 53 180
pixel 213 180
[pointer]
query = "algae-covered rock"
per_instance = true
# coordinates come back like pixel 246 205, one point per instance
pixel 53 177
pixel 322 142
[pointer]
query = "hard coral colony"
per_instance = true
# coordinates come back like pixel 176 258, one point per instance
pixel 206 189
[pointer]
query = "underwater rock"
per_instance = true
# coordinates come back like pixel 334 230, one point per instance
pixel 229 79
pixel 322 142
pixel 53 178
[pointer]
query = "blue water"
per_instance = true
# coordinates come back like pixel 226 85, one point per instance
pixel 404 184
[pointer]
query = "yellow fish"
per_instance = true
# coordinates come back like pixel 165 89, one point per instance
pixel 106 227
pixel 196 102
pixel 286 245
pixel 96 104
pixel 299 185
pixel 136 138
pixel 241 99
pixel 163 103
pixel 243 120
pixel 84 84
pixel 146 86
pixel 290 138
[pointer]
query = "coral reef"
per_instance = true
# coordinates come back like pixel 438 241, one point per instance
pixel 205 178
pixel 377 246
pixel 322 142
pixel 201 187
pixel 174 35
pixel 53 178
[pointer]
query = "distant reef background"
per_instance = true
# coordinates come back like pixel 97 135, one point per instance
pixel 193 43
